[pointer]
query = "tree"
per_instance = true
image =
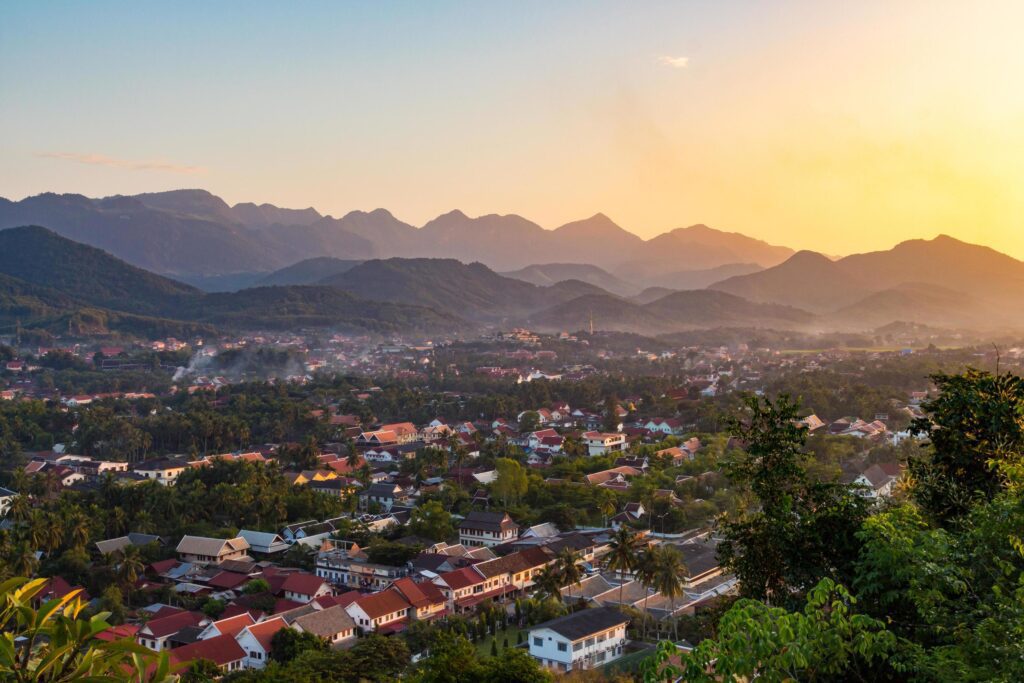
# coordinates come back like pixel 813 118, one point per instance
pixel 432 521
pixel 378 658
pixel 799 530
pixel 826 641
pixel 549 581
pixel 57 644
pixel 568 570
pixel 647 567
pixel 213 608
pixel 202 671
pixel 512 481
pixel 668 578
pixel 975 424
pixel 452 659
pixel 513 665
pixel 288 643
pixel 623 554
pixel 529 421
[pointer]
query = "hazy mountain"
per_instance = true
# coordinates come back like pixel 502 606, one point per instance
pixel 651 294
pixel 942 281
pixel 192 233
pixel 806 280
pixel 549 273
pixel 307 272
pixel 674 312
pixel 698 279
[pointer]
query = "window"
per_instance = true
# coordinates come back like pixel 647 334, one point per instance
pixel 576 647
pixel 539 642
pixel 590 641
pixel 563 647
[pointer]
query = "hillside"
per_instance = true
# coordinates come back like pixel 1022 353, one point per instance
pixel 47 280
pixel 307 272
pixel 918 302
pixel 547 274
pixel 472 291
pixel 697 279
pixel 41 257
pixel 672 313
pixel 806 280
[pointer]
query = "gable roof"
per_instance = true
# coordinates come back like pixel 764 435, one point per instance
pixel 161 627
pixel 221 650
pixel 326 623
pixel 264 631
pixel 303 583
pixel 419 594
pixel 233 625
pixel 462 578
pixel 210 547
pixel 383 603
pixel 585 622
pixel 488 521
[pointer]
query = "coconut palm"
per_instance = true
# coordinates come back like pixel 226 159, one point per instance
pixel 668 578
pixel 646 573
pixel 76 528
pixel 606 504
pixel 549 581
pixel 568 569
pixel 131 565
pixel 623 555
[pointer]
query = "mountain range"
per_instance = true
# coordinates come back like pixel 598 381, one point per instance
pixel 193 235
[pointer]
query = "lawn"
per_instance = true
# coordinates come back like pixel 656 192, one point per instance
pixel 484 646
pixel 629 663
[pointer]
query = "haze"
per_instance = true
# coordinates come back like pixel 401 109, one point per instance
pixel 840 128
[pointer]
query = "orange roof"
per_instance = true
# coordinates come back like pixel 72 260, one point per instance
pixel 383 603
pixel 264 631
pixel 232 625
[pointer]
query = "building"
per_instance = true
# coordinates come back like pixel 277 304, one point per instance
pixel 487 529
pixel 222 650
pixel 255 641
pixel 581 640
pixel 264 542
pixel 7 497
pixel 303 587
pixel 386 611
pixel 164 470
pixel 600 443
pixel 202 550
pixel 332 624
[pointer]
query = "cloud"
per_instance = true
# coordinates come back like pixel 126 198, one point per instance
pixel 674 62
pixel 103 160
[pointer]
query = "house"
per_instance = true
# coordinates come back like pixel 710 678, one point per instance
pixel 255 641
pixel 113 545
pixel 599 443
pixel 164 470
pixel 384 496
pixel 880 479
pixel 811 423
pixel 227 626
pixel 156 633
pixel 350 568
pixel 303 587
pixel 264 542
pixel 463 588
pixel 487 529
pixel 616 477
pixel 405 432
pixel 385 612
pixel 667 427
pixel 222 650
pixel 426 599
pixel 581 640
pixel 204 551
pixel 674 455
pixel 332 624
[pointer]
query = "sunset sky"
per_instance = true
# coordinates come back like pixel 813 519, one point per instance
pixel 836 126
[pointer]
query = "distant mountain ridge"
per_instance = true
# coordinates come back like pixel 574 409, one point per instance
pixel 195 234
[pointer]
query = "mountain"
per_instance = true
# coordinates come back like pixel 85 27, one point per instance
pixel 806 280
pixel 651 294
pixel 548 274
pixel 472 291
pixel 698 279
pixel 46 279
pixel 41 257
pixel 939 282
pixel 674 312
pixel 915 301
pixel 193 234
pixel 307 272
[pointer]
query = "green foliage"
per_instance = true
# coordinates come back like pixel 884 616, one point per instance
pixel 287 644
pixel 511 483
pixel 432 521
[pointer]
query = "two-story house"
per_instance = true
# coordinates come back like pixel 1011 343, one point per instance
pixel 581 640
pixel 487 529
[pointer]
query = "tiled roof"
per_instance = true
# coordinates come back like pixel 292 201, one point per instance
pixel 264 631
pixel 221 650
pixel 383 603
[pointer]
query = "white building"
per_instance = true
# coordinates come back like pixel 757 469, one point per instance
pixel 581 640
pixel 599 443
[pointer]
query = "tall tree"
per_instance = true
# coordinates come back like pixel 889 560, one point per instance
pixel 623 554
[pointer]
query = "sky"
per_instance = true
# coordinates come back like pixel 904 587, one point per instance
pixel 836 126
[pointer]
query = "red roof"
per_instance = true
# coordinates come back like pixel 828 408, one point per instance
pixel 383 603
pixel 462 578
pixel 221 650
pixel 169 625
pixel 283 605
pixel 265 630
pixel 303 584
pixel 419 594
pixel 232 625
pixel 345 599
pixel 227 580
pixel 163 565
pixel 118 632
pixel 235 610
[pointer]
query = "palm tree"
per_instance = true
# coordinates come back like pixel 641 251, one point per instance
pixel 76 526
pixel 21 508
pixel 550 581
pixel 646 573
pixel 353 454
pixel 23 560
pixel 623 556
pixel 568 569
pixel 131 565
pixel 606 504
pixel 669 579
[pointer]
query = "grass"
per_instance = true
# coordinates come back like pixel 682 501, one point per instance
pixel 483 647
pixel 629 663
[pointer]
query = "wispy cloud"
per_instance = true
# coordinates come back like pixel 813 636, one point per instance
pixel 674 62
pixel 159 165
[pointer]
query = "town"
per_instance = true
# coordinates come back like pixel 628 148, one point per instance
pixel 549 496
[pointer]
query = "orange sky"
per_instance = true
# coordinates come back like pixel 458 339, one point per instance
pixel 840 127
